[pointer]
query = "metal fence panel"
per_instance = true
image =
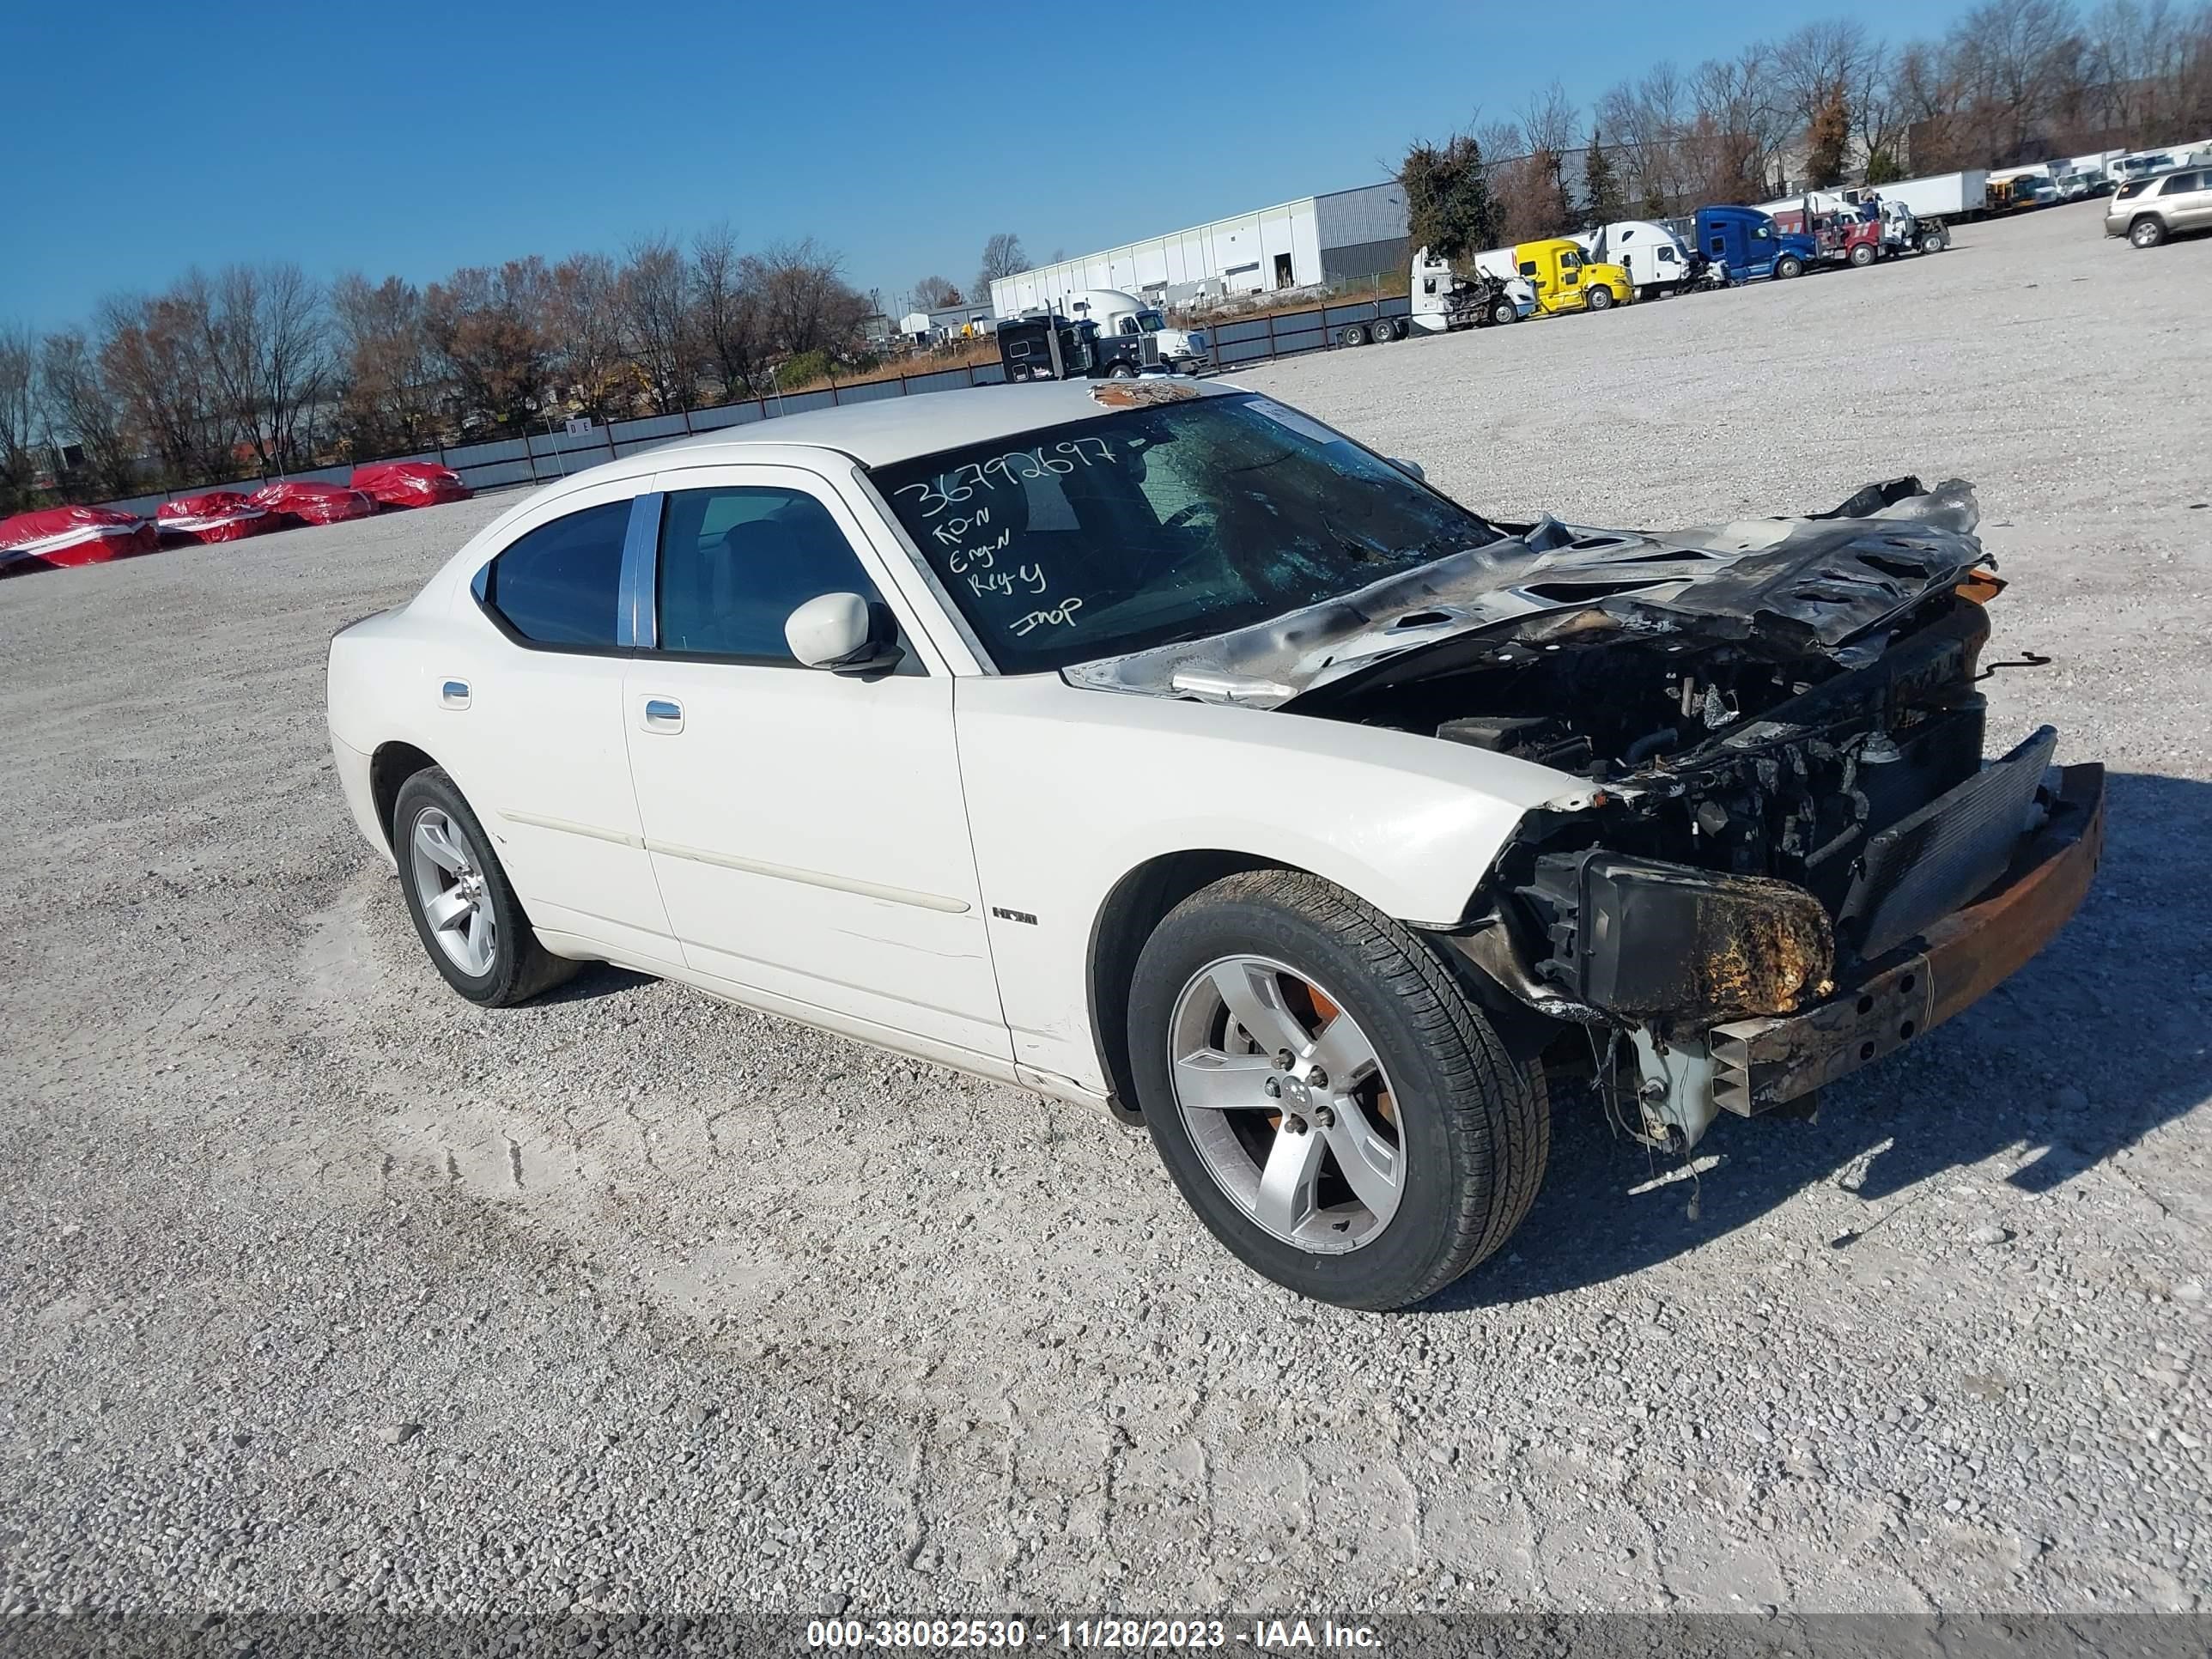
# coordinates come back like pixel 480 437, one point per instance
pixel 488 454
pixel 711 420
pixel 869 391
pixel 491 475
pixel 1301 339
pixel 648 426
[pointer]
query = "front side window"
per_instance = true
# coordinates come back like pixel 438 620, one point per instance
pixel 1161 523
pixel 559 584
pixel 736 561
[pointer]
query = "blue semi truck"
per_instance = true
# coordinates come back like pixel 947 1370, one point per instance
pixel 1742 245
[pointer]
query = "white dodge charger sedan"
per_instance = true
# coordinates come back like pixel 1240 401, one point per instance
pixel 1156 747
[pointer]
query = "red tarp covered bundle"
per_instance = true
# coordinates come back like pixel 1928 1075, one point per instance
pixel 71 535
pixel 314 503
pixel 410 484
pixel 217 515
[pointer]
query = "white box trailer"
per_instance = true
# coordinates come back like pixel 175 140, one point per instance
pixel 1938 196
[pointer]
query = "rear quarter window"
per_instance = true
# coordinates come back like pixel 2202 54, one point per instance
pixel 559 584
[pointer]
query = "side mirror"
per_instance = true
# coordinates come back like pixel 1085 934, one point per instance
pixel 838 631
pixel 1410 469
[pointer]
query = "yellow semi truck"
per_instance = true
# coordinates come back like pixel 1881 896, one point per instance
pixel 1567 279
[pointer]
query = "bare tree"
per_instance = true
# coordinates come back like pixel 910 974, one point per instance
pixel 655 300
pixel 726 312
pixel 490 328
pixel 2018 61
pixel 1736 139
pixel 934 293
pixel 1819 65
pixel 82 415
pixel 18 416
pixel 388 379
pixel 265 341
pixel 1002 256
pixel 583 329
pixel 153 359
pixel 1647 119
pixel 805 303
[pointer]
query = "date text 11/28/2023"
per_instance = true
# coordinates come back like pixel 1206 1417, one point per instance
pixel 946 1635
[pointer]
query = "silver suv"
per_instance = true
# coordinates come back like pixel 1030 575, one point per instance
pixel 2148 211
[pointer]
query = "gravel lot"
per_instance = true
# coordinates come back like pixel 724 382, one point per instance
pixel 325 1290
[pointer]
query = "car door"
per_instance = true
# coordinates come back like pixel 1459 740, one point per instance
pixel 1570 267
pixel 807 827
pixel 536 706
pixel 2192 203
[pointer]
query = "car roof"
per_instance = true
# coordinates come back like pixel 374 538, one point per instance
pixel 888 429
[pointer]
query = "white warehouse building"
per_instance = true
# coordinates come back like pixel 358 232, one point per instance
pixel 1338 237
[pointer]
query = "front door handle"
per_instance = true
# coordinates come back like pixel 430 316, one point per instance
pixel 663 714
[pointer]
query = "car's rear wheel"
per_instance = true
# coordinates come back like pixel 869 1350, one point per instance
pixel 1327 1100
pixel 2147 232
pixel 1353 336
pixel 464 909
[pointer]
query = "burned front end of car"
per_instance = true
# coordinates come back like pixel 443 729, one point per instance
pixel 1786 851
pixel 1793 853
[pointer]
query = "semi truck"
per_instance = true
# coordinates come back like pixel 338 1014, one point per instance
pixel 1123 315
pixel 1046 346
pixel 1443 301
pixel 1654 257
pixel 1565 278
pixel 1840 232
pixel 1743 245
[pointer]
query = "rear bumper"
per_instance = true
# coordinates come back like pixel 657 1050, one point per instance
pixel 1761 1063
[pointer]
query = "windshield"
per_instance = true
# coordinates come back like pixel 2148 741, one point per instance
pixel 1148 322
pixel 1159 524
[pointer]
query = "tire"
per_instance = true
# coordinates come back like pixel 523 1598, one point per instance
pixel 1861 254
pixel 1932 242
pixel 1598 299
pixel 2147 232
pixel 1470 1131
pixel 1121 371
pixel 1379 331
pixel 1502 310
pixel 514 967
pixel 1354 335
pixel 1787 266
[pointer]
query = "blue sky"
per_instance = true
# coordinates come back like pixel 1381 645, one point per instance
pixel 162 136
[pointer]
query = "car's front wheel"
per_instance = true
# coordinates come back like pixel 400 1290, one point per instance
pixel 1600 299
pixel 1327 1100
pixel 464 907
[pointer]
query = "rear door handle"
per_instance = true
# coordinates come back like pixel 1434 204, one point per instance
pixel 663 714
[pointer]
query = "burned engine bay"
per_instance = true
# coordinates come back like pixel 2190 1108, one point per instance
pixel 1777 726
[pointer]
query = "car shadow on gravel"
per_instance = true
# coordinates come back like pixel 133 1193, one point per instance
pixel 595 979
pixel 2098 1041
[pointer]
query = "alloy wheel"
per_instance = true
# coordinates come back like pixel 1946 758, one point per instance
pixel 1287 1102
pixel 449 883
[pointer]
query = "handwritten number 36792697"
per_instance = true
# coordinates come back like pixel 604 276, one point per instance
pixel 1016 466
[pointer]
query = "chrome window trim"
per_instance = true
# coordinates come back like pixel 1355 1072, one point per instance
pixel 637 608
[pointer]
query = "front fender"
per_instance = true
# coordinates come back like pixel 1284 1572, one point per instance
pixel 1068 791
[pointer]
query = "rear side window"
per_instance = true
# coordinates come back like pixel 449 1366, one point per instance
pixel 559 584
pixel 2134 187
pixel 736 562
